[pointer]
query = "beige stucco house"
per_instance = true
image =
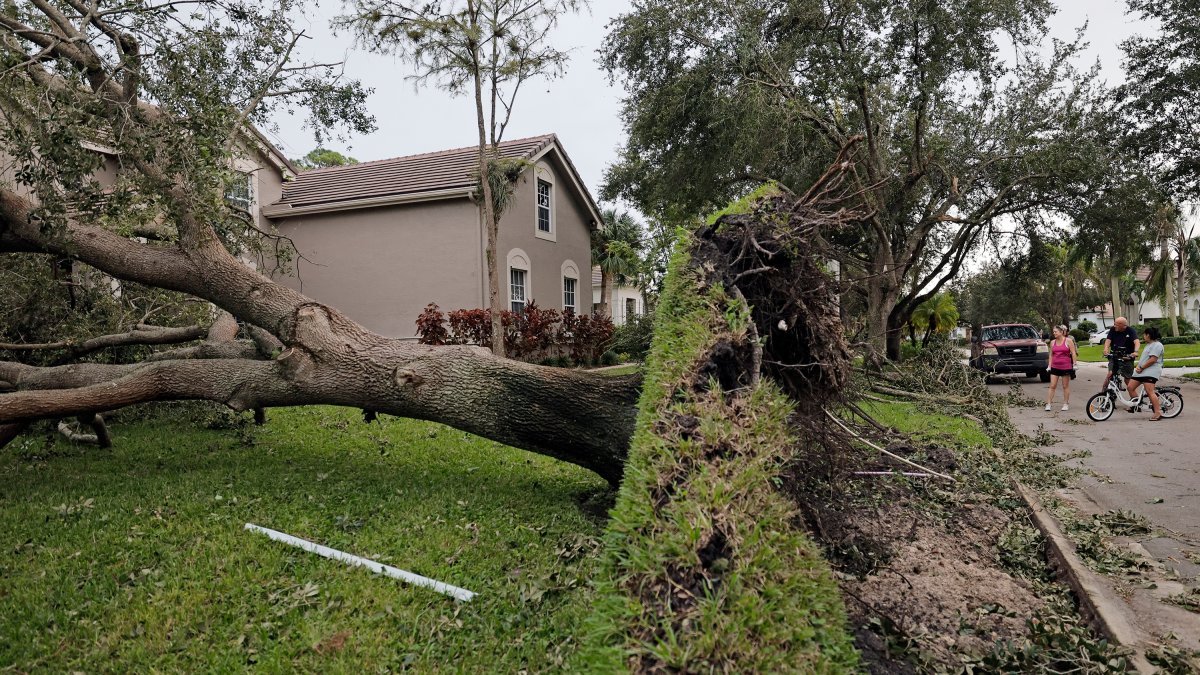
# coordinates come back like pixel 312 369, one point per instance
pixel 382 239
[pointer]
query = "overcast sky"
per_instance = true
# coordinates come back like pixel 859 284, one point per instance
pixel 581 107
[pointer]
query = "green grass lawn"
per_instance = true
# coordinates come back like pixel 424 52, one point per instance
pixel 135 558
pixel 626 369
pixel 1093 353
pixel 956 432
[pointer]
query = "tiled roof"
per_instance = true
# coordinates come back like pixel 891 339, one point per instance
pixel 411 175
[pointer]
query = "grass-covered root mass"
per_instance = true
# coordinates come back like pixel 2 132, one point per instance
pixel 135 559
pixel 705 569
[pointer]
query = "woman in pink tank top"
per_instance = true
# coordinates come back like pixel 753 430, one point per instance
pixel 1063 356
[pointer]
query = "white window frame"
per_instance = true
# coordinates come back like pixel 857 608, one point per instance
pixel 570 271
pixel 538 232
pixel 236 200
pixel 572 286
pixel 517 292
pixel 518 260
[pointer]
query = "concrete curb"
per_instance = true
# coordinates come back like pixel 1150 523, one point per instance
pixel 1097 601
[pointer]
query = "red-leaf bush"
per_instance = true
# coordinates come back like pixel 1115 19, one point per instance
pixel 430 330
pixel 587 336
pixel 471 326
pixel 534 334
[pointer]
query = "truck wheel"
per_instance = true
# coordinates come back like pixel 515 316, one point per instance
pixel 1044 376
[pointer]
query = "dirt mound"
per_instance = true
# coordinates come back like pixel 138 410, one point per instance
pixel 942 584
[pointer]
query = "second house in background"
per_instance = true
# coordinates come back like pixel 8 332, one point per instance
pixel 382 239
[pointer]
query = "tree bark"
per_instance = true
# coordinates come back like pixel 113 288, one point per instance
pixel 489 206
pixel 1114 288
pixel 605 290
pixel 1169 295
pixel 579 417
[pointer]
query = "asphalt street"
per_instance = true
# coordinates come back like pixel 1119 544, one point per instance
pixel 1133 464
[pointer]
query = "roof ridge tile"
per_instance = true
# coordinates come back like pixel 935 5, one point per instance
pixel 544 138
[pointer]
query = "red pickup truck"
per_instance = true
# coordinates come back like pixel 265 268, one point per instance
pixel 1011 348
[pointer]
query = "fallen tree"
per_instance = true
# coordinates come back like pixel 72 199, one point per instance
pixel 75 89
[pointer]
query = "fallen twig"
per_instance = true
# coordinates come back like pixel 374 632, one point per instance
pixel 884 451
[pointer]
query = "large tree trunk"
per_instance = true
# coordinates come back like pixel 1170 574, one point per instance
pixel 1114 289
pixel 582 418
pixel 605 290
pixel 1169 295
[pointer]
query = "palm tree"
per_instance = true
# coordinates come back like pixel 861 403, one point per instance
pixel 935 316
pixel 616 249
pixel 1178 266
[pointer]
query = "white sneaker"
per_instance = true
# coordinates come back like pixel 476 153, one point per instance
pixel 1066 407
pixel 1047 407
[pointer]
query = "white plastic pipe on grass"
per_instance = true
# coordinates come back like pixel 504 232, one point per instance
pixel 387 570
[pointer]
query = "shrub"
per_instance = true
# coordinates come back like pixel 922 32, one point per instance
pixel 1081 336
pixel 609 358
pixel 588 336
pixel 430 326
pixel 1164 325
pixel 530 333
pixel 1181 340
pixel 534 334
pixel 470 326
pixel 634 337
pixel 1087 326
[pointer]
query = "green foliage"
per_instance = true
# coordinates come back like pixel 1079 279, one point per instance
pixel 205 74
pixel 704 569
pixel 1059 640
pixel 1162 90
pixel 989 297
pixel 52 300
pixel 1081 336
pixel 1087 326
pixel 1181 340
pixel 320 158
pixel 137 556
pixel 943 119
pixel 616 246
pixel 502 178
pixel 634 336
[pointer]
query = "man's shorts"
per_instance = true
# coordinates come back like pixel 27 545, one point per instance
pixel 1126 366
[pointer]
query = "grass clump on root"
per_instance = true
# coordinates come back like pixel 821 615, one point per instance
pixel 705 569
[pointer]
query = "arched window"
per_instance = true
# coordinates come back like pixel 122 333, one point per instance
pixel 519 282
pixel 570 287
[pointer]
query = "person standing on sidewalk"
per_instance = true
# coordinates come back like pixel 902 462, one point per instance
pixel 1063 356
pixel 1122 341
pixel 1148 370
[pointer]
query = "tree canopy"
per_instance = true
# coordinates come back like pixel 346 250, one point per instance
pixel 320 158
pixel 1161 93
pixel 954 134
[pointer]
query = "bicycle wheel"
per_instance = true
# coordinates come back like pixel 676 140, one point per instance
pixel 1100 407
pixel 1171 403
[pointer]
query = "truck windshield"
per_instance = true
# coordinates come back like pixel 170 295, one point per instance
pixel 1009 333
